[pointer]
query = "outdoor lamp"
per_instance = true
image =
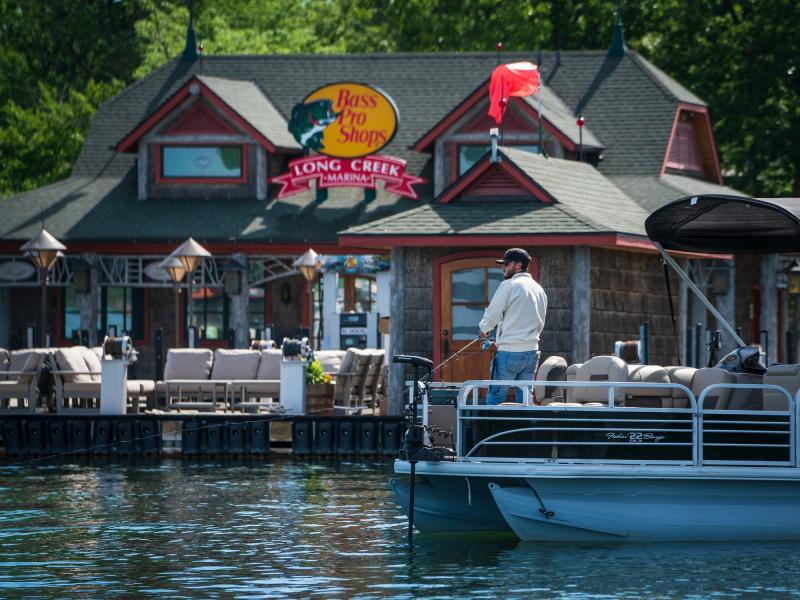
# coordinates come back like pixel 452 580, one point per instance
pixel 176 271
pixel 43 250
pixel 190 253
pixel 308 265
pixel 235 272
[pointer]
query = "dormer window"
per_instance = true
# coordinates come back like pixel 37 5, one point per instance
pixel 203 164
pixel 469 154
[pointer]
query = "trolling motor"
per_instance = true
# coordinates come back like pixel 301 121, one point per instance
pixel 414 448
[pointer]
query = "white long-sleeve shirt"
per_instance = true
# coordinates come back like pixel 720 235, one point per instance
pixel 518 310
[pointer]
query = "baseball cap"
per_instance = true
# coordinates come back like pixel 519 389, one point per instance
pixel 515 255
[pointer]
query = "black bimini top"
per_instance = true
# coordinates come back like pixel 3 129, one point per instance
pixel 727 225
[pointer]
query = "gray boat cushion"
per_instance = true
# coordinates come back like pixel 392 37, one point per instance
pixel 553 368
pixel 235 364
pixel 601 368
pixel 717 399
pixel 786 376
pixel 188 363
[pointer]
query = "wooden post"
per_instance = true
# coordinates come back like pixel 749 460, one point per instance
pixel 396 387
pixel 581 305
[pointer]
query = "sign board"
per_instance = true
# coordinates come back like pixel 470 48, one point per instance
pixel 338 172
pixel 344 120
pixel 14 270
pixel 345 124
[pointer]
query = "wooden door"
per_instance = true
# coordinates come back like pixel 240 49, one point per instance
pixel 467 285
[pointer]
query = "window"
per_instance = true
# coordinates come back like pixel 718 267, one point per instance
pixel 470 154
pixel 202 162
pixel 210 313
pixel 471 290
pixel 120 307
pixel 356 294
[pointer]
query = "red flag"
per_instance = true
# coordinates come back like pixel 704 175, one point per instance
pixel 515 79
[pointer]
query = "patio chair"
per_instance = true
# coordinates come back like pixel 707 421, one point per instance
pixel 263 388
pixel 77 382
pixel 348 395
pixel 19 380
pixel 186 381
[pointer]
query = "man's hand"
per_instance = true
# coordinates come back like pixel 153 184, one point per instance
pixel 483 334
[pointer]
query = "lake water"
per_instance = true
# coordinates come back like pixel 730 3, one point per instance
pixel 283 527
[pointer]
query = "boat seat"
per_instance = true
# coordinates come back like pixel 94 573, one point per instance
pixel 571 373
pixel 648 397
pixel 601 368
pixel 553 368
pixel 684 377
pixel 718 399
pixel 786 376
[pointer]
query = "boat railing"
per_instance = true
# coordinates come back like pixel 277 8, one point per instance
pixel 611 432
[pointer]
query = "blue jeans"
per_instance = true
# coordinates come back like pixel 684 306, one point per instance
pixel 511 365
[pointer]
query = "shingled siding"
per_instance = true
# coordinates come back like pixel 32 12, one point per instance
pixel 628 288
pixel 555 268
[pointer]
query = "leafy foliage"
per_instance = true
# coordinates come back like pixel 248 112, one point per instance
pixel 61 58
pixel 315 373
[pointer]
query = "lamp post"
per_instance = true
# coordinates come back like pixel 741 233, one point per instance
pixel 309 266
pixel 176 271
pixel 190 254
pixel 43 250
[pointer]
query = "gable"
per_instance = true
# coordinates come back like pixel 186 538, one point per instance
pixel 691 150
pixel 512 122
pixel 495 182
pixel 200 119
pixel 488 180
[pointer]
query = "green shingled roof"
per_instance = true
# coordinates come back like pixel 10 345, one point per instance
pixel 249 101
pixel 629 107
pixel 585 202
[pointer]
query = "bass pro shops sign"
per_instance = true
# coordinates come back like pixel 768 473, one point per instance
pixel 346 124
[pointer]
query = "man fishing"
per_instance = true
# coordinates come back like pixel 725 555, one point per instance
pixel 518 310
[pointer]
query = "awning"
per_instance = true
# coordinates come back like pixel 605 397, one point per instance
pixel 728 225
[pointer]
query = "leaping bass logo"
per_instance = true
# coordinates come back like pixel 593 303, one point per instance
pixel 344 120
pixel 309 121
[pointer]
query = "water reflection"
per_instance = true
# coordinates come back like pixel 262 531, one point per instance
pixel 328 529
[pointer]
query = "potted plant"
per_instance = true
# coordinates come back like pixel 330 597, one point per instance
pixel 319 390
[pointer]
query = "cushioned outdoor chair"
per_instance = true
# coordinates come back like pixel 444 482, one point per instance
pixel 77 382
pixel 263 388
pixel 187 384
pixel 19 379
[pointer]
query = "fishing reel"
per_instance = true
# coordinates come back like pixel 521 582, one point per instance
pixel 487 344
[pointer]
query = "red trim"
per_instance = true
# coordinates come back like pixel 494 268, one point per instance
pixel 703 112
pixel 160 179
pixel 130 142
pixel 458 187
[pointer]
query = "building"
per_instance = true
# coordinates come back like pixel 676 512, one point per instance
pixel 578 208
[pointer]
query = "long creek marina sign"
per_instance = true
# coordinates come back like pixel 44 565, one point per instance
pixel 345 124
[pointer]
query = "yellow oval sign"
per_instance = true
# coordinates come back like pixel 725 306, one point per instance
pixel 344 120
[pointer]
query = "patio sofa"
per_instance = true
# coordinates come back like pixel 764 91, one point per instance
pixel 19 378
pixel 77 380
